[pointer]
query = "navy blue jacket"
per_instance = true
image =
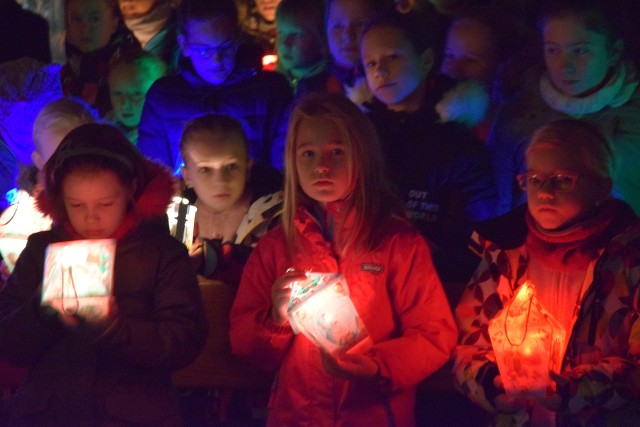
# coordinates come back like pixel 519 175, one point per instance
pixel 259 99
pixel 444 176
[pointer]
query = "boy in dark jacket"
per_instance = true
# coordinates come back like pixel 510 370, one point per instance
pixel 214 78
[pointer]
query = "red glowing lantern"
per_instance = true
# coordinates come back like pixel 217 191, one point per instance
pixel 78 277
pixel 528 342
pixel 320 308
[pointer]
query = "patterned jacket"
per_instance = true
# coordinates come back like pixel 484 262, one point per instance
pixel 602 361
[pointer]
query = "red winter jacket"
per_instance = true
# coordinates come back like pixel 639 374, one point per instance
pixel 399 297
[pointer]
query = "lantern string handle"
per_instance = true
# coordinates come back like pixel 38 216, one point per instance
pixel 69 310
pixel 526 325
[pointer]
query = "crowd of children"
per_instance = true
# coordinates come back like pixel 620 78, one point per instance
pixel 436 155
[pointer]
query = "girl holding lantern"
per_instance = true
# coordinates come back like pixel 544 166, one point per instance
pixel 579 246
pixel 340 217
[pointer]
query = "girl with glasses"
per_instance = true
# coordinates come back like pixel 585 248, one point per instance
pixel 578 245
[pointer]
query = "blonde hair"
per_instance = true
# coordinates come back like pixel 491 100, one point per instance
pixel 370 194
pixel 580 138
pixel 68 111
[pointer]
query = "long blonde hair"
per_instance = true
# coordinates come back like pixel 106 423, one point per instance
pixel 370 196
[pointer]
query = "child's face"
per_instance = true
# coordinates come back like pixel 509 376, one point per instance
pixel 90 24
pixel 297 49
pixel 217 168
pixel 394 69
pixel 96 203
pixel 135 8
pixel 212 48
pixel 552 209
pixel 469 52
pixel 321 161
pixel 345 22
pixel 128 87
pixel 267 8
pixel 577 59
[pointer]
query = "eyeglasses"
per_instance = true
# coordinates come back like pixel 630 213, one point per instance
pixel 225 49
pixel 560 182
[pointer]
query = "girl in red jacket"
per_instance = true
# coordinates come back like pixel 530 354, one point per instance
pixel 340 216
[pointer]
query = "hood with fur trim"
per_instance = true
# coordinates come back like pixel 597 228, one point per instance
pixel 152 203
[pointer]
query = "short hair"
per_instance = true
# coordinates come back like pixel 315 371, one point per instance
pixel 309 13
pixel 218 124
pixel 144 61
pixel 205 10
pixel 600 16
pixel 61 111
pixel 371 196
pixel 412 25
pixel 579 137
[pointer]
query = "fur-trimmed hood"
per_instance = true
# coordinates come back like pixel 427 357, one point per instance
pixel 151 204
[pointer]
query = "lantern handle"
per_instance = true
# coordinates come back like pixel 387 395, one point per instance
pixel 526 327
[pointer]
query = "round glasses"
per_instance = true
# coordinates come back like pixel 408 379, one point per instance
pixel 560 182
pixel 225 49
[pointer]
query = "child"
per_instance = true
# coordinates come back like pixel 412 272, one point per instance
pixel 26 85
pixel 95 34
pixel 573 241
pixel 214 80
pixel 340 216
pixel 130 77
pixel 51 125
pixel 586 77
pixel 439 169
pixel 112 370
pixel 153 23
pixel 237 200
pixel 346 19
pixel 258 23
pixel 301 46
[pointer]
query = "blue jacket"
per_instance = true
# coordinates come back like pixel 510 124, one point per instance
pixel 259 99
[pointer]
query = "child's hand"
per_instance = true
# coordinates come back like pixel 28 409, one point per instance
pixel 280 294
pixel 505 403
pixel 349 366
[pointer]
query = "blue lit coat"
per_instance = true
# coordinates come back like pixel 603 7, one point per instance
pixel 259 99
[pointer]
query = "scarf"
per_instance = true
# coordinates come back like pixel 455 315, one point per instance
pixel 145 27
pixel 615 93
pixel 574 248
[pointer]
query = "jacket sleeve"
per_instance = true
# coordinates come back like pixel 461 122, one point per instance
pixel 254 336
pixel 174 332
pixel 427 331
pixel 474 362
pixel 611 380
pixel 153 139
pixel 26 329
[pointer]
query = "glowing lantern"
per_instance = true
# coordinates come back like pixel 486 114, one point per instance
pixel 78 277
pixel 182 218
pixel 528 342
pixel 17 222
pixel 320 308
pixel 269 62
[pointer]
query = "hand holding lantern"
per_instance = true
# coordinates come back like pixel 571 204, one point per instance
pixel 281 293
pixel 349 366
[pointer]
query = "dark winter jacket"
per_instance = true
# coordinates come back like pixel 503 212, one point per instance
pixel 444 176
pixel 119 372
pixel 259 99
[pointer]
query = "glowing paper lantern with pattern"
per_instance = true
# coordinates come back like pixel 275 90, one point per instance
pixel 528 342
pixel 78 277
pixel 320 308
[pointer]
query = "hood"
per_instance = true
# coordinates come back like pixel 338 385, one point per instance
pixel 152 203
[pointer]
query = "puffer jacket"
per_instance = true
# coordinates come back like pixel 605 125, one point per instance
pixel 602 361
pixel 442 173
pixel 613 110
pixel 118 373
pixel 258 99
pixel 398 296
